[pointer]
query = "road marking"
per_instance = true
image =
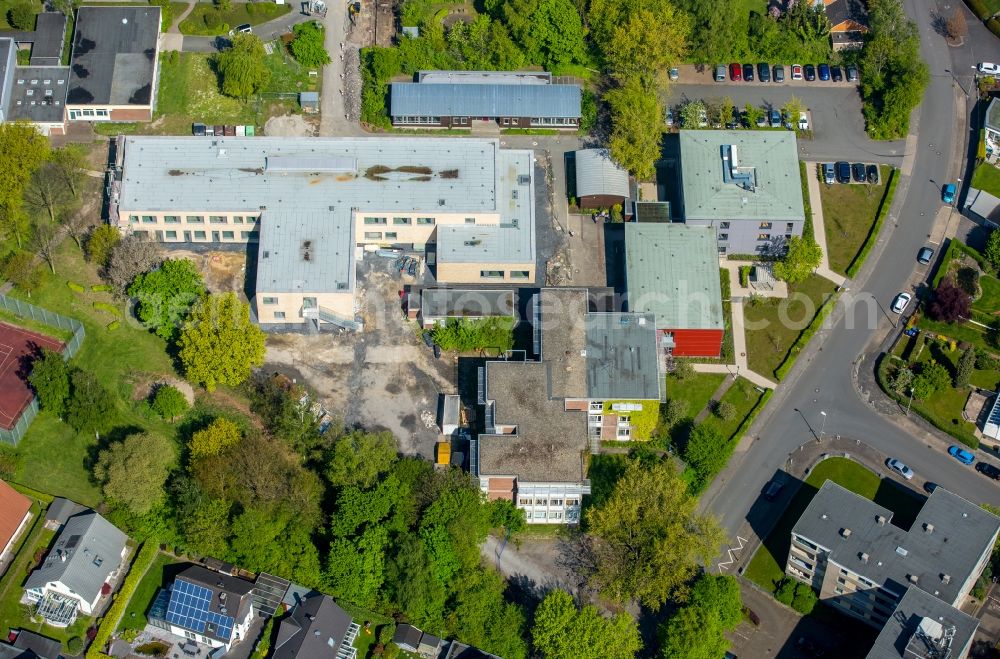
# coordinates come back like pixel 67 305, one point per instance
pixel 724 565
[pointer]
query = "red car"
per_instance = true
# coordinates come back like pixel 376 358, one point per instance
pixel 735 72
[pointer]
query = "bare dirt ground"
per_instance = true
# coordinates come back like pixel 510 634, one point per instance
pixel 291 125
pixel 223 271
pixel 381 378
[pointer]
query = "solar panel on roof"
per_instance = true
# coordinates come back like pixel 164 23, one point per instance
pixel 189 608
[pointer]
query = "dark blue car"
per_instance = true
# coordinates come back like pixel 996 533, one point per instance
pixel 824 71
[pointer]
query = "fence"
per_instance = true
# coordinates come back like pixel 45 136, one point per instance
pixel 23 309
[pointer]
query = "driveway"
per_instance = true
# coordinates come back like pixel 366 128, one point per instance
pixel 267 31
pixel 837 123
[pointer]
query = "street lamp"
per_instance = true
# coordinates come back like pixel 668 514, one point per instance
pixel 822 428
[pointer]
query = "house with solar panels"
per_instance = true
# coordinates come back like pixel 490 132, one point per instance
pixel 511 99
pixel 210 608
pixel 991 428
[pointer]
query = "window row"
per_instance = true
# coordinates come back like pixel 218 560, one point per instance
pixel 552 514
pixel 406 221
pixel 203 235
pixel 528 501
pixel 417 120
pixel 763 225
pixel 378 235
pixel 192 219
pixel 88 113
pixel 499 274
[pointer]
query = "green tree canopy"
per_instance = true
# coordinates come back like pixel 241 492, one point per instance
pixel 50 380
pixel 242 66
pixel 218 343
pixel 358 458
pixel 215 438
pixel 100 243
pixel 90 408
pixel 169 402
pixel 166 294
pixel 649 538
pixel 562 631
pixel 637 127
pixel 307 47
pixel 801 259
pixel 647 44
pixel 697 630
pixel 703 451
pixel 992 251
pixel 550 31
pixel 22 151
pixel 133 471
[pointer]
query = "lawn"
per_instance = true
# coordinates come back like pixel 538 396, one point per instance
pixel 7 5
pixel 992 5
pixel 767 566
pixel 156 577
pixel 987 177
pixel 773 325
pixel 695 390
pixel 743 396
pixel 54 459
pixel 848 214
pixel 989 301
pixel 208 20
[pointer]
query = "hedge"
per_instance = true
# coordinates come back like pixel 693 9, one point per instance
pixel 75 287
pixel 144 559
pixel 883 210
pixel 978 8
pixel 993 25
pixel 805 336
pixel 109 308
pixel 34 494
pixel 100 288
pixel 113 325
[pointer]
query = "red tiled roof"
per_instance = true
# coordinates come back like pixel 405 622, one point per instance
pixel 13 507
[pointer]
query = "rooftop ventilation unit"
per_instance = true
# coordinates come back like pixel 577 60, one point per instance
pixel 946 578
pixel 846 532
pixel 928 527
pixel 863 556
pixel 880 519
pixel 731 170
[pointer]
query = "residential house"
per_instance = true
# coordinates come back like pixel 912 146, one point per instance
pixel 848 22
pixel 991 130
pixel 745 184
pixel 15 513
pixel 316 627
pixel 848 549
pixel 29 645
pixel 458 650
pixel 59 512
pixel 308 202
pixel 672 273
pixel 511 99
pixel 411 639
pixel 600 181
pixel 210 608
pixel 87 555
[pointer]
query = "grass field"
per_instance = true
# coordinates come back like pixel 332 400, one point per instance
pixel 989 301
pixel 848 214
pixel 768 565
pixel 987 177
pixel 158 576
pixel 743 396
pixel 695 391
pixel 773 325
pixel 7 5
pixel 199 21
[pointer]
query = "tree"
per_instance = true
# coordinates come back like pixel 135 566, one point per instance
pixel 703 451
pixel 562 631
pixel 649 539
pixel 697 630
pixel 483 618
pixel 792 110
pixel 90 406
pixel 359 457
pixel 207 529
pixel 22 16
pixel 725 410
pixel 242 66
pixel 726 111
pixel 802 258
pixel 133 471
pixel 356 570
pixel 752 114
pixel 44 240
pixel 683 370
pixel 902 380
pixel 14 223
pixel 284 412
pixel 166 294
pixel 956 26
pixel 47 191
pixel 169 402
pixel 70 163
pixel 804 600
pixel 220 435
pixel 950 303
pixel 76 222
pixel 933 377
pixel 550 31
pixel 966 364
pixel 648 44
pixel 128 258
pixel 218 343
pixel 20 270
pixel 992 251
pixel 692 114
pixel 100 243
pixel 307 47
pixel 636 127
pixel 50 380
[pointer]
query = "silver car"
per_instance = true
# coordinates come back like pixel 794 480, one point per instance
pixel 902 469
pixel 899 304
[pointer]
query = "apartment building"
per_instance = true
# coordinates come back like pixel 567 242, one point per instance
pixel 467 203
pixel 848 549
pixel 745 185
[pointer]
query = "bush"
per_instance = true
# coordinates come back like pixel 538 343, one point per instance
pixel 169 402
pixel 75 287
pixel 804 600
pixel 110 621
pixel 466 335
pixel 978 8
pixel 785 592
pixel 213 20
pixel 22 16
pixel 725 410
pixel 108 308
pixel 153 649
pixel 683 370
pixel 74 645
pixel 993 25
pixel 100 288
pixel 113 325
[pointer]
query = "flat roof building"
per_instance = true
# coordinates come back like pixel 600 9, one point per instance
pixel 672 272
pixel 744 184
pixel 438 305
pixel 924 627
pixel 472 201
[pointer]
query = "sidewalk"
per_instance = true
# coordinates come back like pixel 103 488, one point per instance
pixel 739 367
pixel 819 228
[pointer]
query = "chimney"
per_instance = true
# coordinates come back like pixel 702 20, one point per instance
pixel 863 556
pixel 846 532
pixel 880 519
pixel 63 557
pixel 928 527
pixel 912 578
pixel 945 578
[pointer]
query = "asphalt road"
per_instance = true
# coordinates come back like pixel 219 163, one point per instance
pixel 266 31
pixel 824 382
pixel 838 127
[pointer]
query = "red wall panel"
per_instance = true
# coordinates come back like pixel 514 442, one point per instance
pixel 697 342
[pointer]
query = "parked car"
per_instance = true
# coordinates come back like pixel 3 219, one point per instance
pixel 674 74
pixel 948 193
pixel 988 68
pixel 824 72
pixel 988 470
pixel 796 72
pixel 703 119
pixel 836 73
pixel 748 72
pixel 961 455
pixel 668 117
pixel 241 29
pixel 872 172
pixel 809 71
pixel 858 171
pixel 779 73
pixel 735 72
pixel 929 487
pixel 773 490
pixel 899 304
pixel 775 119
pixel 828 175
pixel 852 73
pixel 803 121
pixel 762 119
pixel 764 72
pixel 898 466
pixel 720 73
pixel 924 255
pixel 843 172
pixel 198 129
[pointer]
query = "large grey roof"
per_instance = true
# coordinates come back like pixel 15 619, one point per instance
pixel 898 638
pixel 38 93
pixel 770 156
pixel 114 55
pixel 29 645
pixel 672 271
pixel 598 174
pixel 463 302
pixel 305 252
pixel 315 628
pixel 408 99
pixel 434 76
pixel 84 539
pixel 60 510
pixel 46 39
pixel 947 538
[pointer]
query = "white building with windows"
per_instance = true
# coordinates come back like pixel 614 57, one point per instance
pixel 210 608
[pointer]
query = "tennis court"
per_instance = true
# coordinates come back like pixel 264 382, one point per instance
pixel 18 348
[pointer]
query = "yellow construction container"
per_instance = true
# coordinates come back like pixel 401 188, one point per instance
pixel 444 453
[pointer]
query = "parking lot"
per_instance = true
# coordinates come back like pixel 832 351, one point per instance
pixel 838 129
